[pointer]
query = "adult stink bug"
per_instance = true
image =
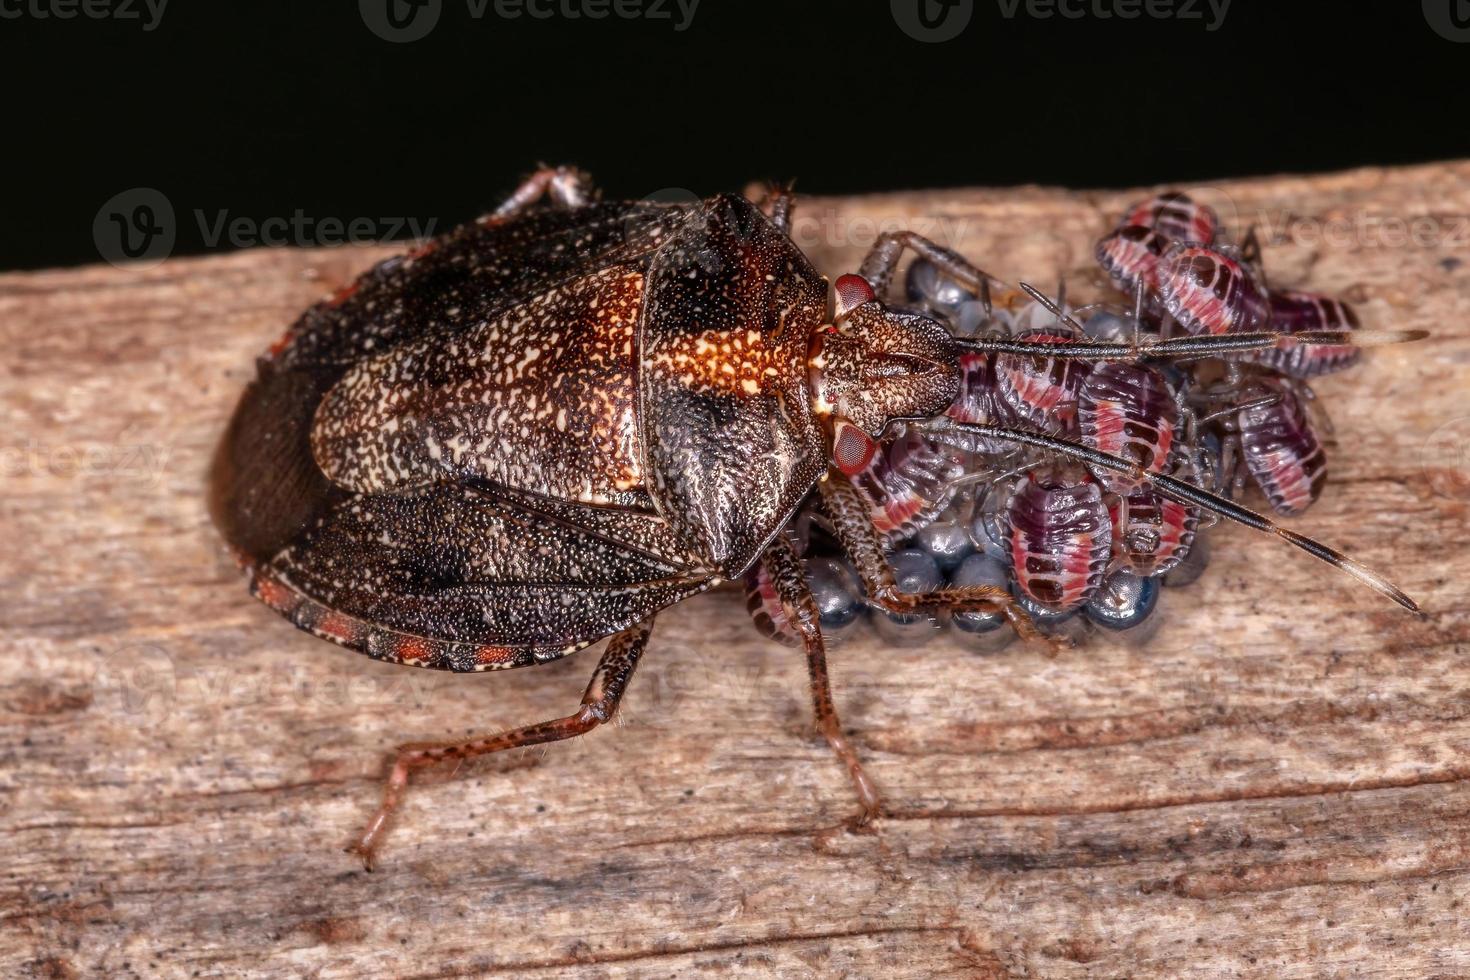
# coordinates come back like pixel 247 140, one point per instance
pixel 544 427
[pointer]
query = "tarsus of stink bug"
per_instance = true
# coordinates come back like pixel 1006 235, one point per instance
pixel 1186 493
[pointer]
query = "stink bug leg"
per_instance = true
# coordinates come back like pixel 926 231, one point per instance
pixel 784 570
pixel 882 261
pixel 599 704
pixel 567 187
pixel 852 521
pixel 777 204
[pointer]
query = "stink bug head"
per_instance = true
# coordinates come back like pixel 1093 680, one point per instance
pixel 874 365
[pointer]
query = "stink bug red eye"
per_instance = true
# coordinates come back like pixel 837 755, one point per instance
pixel 851 292
pixel 853 448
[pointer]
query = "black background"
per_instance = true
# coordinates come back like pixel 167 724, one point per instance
pixel 262 110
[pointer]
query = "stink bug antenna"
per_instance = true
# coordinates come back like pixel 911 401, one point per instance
pixel 1185 493
pixel 1056 309
pixel 1137 310
pixel 1188 346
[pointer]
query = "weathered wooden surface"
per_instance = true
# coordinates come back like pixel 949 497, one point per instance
pixel 1276 786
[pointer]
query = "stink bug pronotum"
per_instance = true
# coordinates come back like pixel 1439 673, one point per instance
pixel 540 429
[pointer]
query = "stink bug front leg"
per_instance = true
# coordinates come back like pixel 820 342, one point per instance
pixel 852 521
pixel 599 704
pixel 882 261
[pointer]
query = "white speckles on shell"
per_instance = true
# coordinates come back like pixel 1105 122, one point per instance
pixel 542 398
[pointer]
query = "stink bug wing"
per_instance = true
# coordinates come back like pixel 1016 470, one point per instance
pixel 469 275
pixel 732 447
pixel 265 485
pixel 541 397
pixel 456 569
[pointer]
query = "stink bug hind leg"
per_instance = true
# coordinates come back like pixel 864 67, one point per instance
pixel 599 704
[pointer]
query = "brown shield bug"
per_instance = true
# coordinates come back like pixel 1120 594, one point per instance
pixel 544 427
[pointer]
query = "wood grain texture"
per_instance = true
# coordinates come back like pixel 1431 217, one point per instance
pixel 1278 785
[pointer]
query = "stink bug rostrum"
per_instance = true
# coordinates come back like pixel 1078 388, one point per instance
pixel 540 429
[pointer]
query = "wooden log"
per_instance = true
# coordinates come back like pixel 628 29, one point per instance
pixel 1275 786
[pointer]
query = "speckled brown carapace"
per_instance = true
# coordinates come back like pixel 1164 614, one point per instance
pixel 556 374
pixel 453 453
